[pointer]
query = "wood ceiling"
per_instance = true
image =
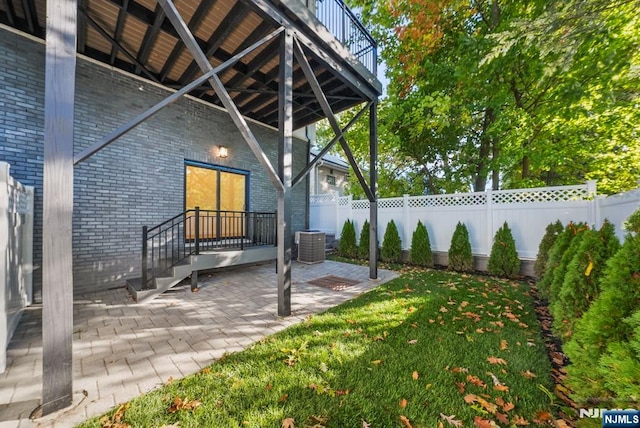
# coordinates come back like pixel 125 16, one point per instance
pixel 136 36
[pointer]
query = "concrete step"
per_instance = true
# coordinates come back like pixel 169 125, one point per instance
pixel 204 261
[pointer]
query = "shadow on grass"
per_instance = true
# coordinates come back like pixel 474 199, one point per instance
pixel 403 349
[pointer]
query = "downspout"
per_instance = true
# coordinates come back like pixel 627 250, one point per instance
pixel 307 183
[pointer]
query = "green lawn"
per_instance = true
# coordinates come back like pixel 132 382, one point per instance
pixel 429 348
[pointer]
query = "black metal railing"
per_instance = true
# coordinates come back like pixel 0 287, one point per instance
pixel 193 231
pixel 346 26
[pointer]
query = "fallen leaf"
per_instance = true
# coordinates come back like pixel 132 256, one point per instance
pixel 496 360
pixel 451 420
pixel 476 381
pixel 502 388
pixel 504 345
pixel 460 370
pixel 499 401
pixel 269 386
pixel 405 421
pixel 528 374
pixel 483 423
pixel 415 375
pixel 288 423
pixel 403 403
pixel 283 398
pixel 376 362
pixel 443 309
pixel 560 423
pixel 507 407
pixel 412 341
pixel 366 424
pixel 479 330
pixel 461 386
pixel 502 418
pixel 414 325
pixel 542 417
pixel 205 370
pixel 186 404
pixel 519 420
pixel 470 398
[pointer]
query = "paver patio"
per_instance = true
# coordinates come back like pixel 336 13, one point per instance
pixel 122 349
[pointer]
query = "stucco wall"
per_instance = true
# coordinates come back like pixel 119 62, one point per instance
pixel 137 180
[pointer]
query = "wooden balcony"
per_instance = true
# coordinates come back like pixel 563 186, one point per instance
pixel 137 36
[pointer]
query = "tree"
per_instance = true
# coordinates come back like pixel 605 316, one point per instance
pixel 391 244
pixel 363 245
pixel 581 284
pixel 551 234
pixel 604 346
pixel 347 245
pixel 460 256
pixel 515 93
pixel 420 253
pixel 503 260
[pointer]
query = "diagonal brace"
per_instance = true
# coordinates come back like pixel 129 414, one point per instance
pixel 328 147
pixel 90 151
pixel 203 62
pixel 326 108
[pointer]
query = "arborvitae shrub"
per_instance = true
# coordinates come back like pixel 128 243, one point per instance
pixel 581 283
pixel 460 257
pixel 558 249
pixel 551 234
pixel 363 246
pixel 391 244
pixel 421 254
pixel 620 365
pixel 347 245
pixel 605 347
pixel 560 271
pixel 503 260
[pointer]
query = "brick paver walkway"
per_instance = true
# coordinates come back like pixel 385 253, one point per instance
pixel 122 349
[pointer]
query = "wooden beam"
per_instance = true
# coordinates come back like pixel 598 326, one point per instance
pixel 28 17
pixel 91 150
pixel 11 12
pixel 204 64
pixel 285 171
pixel 82 27
pixel 150 37
pixel 117 34
pixel 196 19
pixel 117 45
pixel 57 262
pixel 228 25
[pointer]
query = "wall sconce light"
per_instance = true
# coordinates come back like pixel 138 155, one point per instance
pixel 223 152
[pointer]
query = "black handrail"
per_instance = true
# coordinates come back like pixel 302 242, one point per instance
pixel 192 231
pixel 346 26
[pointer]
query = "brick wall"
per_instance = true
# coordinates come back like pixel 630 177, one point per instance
pixel 139 178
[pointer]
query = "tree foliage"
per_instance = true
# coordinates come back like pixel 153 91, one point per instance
pixel 515 94
pixel 391 244
pixel 363 245
pixel 581 283
pixel 347 245
pixel 605 346
pixel 460 256
pixel 551 234
pixel 503 260
pixel 420 253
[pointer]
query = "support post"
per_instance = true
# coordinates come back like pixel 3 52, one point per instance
pixel 194 280
pixel 197 229
pixel 57 264
pixel 144 264
pixel 373 184
pixel 285 172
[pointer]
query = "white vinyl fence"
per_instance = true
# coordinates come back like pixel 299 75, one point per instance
pixel 527 211
pixel 16 252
